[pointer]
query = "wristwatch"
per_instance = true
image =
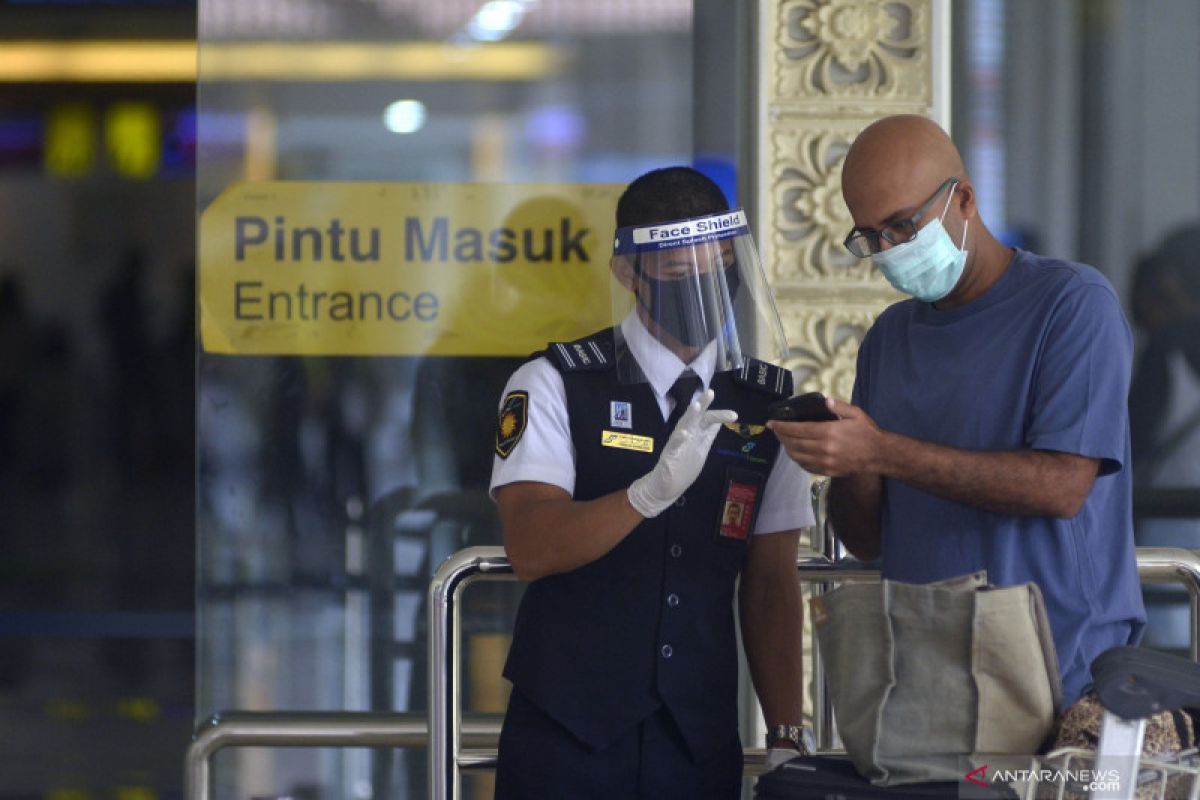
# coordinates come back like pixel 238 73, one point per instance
pixel 796 734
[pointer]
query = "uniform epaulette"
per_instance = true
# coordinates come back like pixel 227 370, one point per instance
pixel 593 354
pixel 765 377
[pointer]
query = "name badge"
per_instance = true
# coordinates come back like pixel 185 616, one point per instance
pixel 743 489
pixel 627 441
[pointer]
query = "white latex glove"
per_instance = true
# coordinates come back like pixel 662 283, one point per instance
pixel 779 755
pixel 682 458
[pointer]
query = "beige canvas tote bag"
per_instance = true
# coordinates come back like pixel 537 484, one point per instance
pixel 921 675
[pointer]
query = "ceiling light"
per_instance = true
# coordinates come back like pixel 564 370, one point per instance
pixel 404 116
pixel 495 20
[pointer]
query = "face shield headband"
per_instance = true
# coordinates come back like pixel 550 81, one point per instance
pixel 687 279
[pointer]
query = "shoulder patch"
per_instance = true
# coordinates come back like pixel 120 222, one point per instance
pixel 513 419
pixel 585 355
pixel 765 377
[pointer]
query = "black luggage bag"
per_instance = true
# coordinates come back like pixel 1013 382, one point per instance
pixel 834 778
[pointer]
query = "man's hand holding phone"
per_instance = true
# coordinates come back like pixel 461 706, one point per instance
pixel 851 445
pixel 810 407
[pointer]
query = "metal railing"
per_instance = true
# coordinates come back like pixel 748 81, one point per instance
pixel 457 743
pixel 446 756
pixel 1175 565
pixel 312 729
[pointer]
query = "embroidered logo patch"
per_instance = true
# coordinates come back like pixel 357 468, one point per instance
pixel 514 415
pixel 746 431
pixel 627 441
pixel 749 443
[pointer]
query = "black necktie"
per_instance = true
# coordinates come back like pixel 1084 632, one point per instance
pixel 681 392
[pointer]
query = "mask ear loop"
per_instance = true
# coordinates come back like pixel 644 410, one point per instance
pixel 963 244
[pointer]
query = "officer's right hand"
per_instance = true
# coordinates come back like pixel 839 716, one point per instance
pixel 681 459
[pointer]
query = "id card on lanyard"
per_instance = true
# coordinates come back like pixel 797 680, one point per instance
pixel 739 509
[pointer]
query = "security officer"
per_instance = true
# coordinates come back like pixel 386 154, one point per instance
pixel 635 481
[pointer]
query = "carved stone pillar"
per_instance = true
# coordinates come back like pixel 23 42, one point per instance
pixel 827 69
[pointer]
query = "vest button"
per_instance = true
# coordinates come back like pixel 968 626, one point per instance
pixel 676 551
pixel 667 652
pixel 673 600
pixel 681 502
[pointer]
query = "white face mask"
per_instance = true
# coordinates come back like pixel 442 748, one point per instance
pixel 928 266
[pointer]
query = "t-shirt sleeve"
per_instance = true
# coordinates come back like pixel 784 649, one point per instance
pixel 533 430
pixel 787 501
pixel 1081 382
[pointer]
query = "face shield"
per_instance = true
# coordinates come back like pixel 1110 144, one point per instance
pixel 689 291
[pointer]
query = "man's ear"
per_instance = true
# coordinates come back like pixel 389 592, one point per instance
pixel 622 269
pixel 966 199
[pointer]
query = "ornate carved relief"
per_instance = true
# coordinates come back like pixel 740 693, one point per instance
pixel 824 347
pixel 810 220
pixel 853 49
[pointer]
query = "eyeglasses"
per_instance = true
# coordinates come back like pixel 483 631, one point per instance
pixel 864 242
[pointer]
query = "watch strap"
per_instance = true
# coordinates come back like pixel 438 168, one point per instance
pixel 790 733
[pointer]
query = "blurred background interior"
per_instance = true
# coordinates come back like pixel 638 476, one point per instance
pixel 185 533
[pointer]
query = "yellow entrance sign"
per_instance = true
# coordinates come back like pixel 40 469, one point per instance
pixel 356 268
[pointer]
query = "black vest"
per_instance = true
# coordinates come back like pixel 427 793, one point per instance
pixel 651 622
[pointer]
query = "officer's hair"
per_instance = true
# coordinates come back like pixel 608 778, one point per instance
pixel 667 194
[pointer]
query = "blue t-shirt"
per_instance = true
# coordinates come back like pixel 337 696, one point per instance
pixel 1040 361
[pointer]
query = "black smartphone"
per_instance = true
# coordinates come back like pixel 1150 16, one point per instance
pixel 808 407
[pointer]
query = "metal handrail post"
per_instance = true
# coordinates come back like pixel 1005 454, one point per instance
pixel 833 551
pixel 1175 565
pixel 294 729
pixel 445 662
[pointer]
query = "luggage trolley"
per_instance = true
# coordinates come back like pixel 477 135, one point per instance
pixel 1132 684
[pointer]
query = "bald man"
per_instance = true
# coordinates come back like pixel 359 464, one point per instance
pixel 988 427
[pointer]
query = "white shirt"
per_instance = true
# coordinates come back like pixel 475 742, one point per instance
pixel 545 453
